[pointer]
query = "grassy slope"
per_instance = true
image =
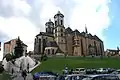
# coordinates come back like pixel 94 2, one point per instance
pixel 5 76
pixel 57 64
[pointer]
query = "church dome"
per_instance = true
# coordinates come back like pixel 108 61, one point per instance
pixel 49 22
pixel 51 44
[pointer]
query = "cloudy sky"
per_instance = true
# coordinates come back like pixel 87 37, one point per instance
pixel 26 18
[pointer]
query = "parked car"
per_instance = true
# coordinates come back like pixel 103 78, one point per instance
pixel 75 77
pixel 79 71
pixel 117 72
pixel 91 71
pixel 102 77
pixel 102 70
pixel 110 70
pixel 45 76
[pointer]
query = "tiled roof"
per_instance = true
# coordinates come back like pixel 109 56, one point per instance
pixel 82 34
pixel 77 32
pixel 44 34
pixel 112 50
pixel 59 50
pixel 68 30
pixel 90 36
pixel 7 42
pixel 96 38
pixel 24 44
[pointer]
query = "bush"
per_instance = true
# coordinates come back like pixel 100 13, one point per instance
pixel 1 68
pixel 44 57
pixel 8 57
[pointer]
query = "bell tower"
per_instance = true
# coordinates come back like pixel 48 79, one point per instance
pixel 59 31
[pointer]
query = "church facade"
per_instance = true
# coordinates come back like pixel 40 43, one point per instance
pixel 58 39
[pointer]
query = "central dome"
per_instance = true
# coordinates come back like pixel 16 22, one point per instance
pixel 51 44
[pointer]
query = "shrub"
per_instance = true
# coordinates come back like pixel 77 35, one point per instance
pixel 8 57
pixel 1 68
pixel 44 57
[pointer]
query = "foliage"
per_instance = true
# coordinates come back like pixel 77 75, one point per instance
pixel 5 76
pixel 1 68
pixel 44 57
pixel 57 64
pixel 18 49
pixel 8 57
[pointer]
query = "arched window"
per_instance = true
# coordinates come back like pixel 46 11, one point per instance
pixel 61 34
pixel 35 41
pixel 48 51
pixel 52 51
pixel 55 30
pixel 81 41
pixel 55 35
pixel 55 23
pixel 95 47
pixel 46 30
pixel 61 30
pixel 61 22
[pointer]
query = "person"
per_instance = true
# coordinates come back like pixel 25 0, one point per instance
pixel 24 74
pixel 66 70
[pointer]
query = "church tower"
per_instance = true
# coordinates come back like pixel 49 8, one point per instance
pixel 49 27
pixel 59 31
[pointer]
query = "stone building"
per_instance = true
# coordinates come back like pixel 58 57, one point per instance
pixel 112 52
pixel 10 45
pixel 58 39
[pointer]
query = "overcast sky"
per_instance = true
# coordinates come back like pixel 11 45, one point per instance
pixel 26 18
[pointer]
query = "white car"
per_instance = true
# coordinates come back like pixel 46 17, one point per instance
pixel 117 72
pixel 80 71
pixel 102 70
pixel 75 77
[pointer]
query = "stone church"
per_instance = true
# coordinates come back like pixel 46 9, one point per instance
pixel 60 40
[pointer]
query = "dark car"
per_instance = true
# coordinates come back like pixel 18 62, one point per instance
pixel 37 75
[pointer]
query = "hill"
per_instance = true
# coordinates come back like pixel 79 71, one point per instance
pixel 57 64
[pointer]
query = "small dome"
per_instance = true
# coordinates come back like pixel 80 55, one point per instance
pixel 51 44
pixel 49 22
pixel 59 14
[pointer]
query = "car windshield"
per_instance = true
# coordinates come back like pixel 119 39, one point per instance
pixel 77 69
pixel 82 69
pixel 104 69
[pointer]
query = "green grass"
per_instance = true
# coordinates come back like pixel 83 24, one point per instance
pixel 57 64
pixel 5 76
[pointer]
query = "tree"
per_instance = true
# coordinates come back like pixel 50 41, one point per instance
pixel 1 68
pixel 18 49
pixel 8 57
pixel 44 57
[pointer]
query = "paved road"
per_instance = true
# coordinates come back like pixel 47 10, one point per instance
pixel 17 76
